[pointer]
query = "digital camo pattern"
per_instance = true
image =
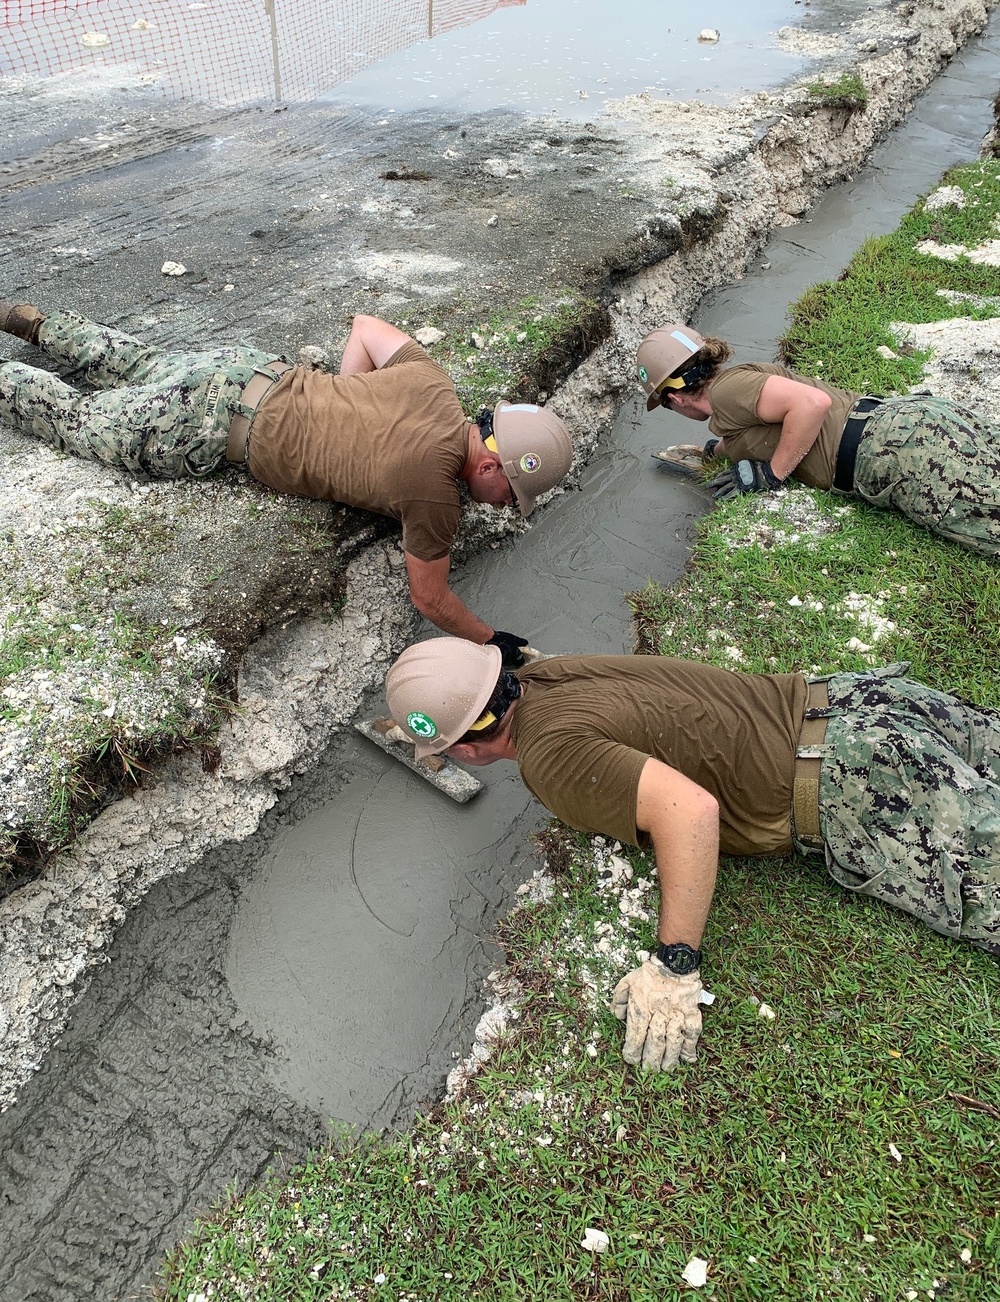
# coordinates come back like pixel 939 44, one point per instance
pixel 910 802
pixel 160 413
pixel 937 463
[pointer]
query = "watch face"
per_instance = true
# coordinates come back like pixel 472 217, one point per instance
pixel 680 959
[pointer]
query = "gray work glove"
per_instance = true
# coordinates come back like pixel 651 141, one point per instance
pixel 744 477
pixel 662 1016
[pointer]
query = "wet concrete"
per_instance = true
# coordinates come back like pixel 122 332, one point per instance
pixel 182 1070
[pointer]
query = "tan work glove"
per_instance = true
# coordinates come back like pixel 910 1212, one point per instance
pixel 662 1016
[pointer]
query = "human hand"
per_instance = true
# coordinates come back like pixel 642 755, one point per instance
pixel 510 648
pixel 744 477
pixel 662 1016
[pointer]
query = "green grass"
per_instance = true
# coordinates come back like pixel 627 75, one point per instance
pixel 774 1147
pixel 529 346
pixel 771 1157
pixel 837 325
pixel 846 91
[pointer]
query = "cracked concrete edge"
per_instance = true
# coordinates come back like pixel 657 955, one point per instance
pixel 301 683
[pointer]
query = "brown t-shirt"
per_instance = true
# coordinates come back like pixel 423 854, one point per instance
pixel 734 394
pixel 586 725
pixel 392 440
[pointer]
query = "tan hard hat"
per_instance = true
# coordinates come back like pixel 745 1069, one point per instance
pixel 535 448
pixel 437 689
pixel 660 354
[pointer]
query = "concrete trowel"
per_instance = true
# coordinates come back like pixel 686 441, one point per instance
pixel 438 770
pixel 686 459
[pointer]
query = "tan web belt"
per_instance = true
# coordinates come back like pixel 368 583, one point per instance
pixel 252 396
pixel 805 791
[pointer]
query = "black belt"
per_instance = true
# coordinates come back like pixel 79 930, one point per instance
pixel 854 432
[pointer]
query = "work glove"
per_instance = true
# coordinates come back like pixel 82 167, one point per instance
pixel 510 648
pixel 708 451
pixel 662 1016
pixel 744 477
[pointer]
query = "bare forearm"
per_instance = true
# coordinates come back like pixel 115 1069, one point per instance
pixel 687 869
pixel 453 616
pixel 799 431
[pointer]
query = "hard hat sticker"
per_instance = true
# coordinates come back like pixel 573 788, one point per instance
pixel 643 374
pixel 421 725
pixel 530 462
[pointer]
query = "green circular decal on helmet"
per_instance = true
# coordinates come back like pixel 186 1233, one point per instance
pixel 643 374
pixel 530 462
pixel 423 726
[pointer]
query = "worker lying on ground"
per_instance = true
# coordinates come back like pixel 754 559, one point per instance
pixel 387 433
pixel 895 785
pixel 931 459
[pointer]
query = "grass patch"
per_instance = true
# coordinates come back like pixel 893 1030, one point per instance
pixel 847 91
pixel 527 348
pixel 836 326
pixel 770 1159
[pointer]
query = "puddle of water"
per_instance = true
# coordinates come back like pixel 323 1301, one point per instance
pixel 535 55
pixel 568 56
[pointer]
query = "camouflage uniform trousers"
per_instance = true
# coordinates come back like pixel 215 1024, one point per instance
pixel 164 414
pixel 909 802
pixel 938 464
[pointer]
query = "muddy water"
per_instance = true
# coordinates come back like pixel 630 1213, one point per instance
pixel 567 56
pixel 329 968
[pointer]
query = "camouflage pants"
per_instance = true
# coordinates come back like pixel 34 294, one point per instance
pixel 909 802
pixel 938 464
pixel 160 413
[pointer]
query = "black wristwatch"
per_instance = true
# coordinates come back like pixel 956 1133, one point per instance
pixel 679 959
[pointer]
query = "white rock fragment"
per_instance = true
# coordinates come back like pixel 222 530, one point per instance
pixel 895 1153
pixel 491 221
pixel 855 644
pixel 795 601
pixel 767 1012
pixel 695 1273
pixel 708 35
pixel 142 25
pixel 595 1241
pixel 498 167
pixel 945 196
pixel 173 269
pixel 228 289
pixel 95 40
pixel 887 353
pixel 965 1255
pixel 379 1278
pixel 868 1238
pixel 428 336
pixel 478 341
pixel 311 356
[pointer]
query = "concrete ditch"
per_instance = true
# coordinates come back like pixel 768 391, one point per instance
pixel 297 685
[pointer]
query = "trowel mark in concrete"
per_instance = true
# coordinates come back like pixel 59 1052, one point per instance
pixel 354 943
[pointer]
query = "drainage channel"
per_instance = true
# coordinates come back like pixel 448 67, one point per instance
pixel 330 967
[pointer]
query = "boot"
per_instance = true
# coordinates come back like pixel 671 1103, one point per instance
pixel 20 319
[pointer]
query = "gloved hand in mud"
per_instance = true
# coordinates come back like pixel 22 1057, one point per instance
pixel 510 648
pixel 744 477
pixel 662 1016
